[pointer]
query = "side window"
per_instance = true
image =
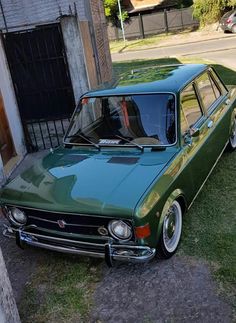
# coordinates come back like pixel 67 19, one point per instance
pixel 190 109
pixel 222 87
pixel 208 90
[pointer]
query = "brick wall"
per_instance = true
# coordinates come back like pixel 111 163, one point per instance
pixel 101 37
pixel 25 12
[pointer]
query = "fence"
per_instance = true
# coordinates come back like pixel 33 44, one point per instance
pixel 156 23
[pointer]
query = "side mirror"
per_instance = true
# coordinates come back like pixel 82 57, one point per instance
pixel 191 133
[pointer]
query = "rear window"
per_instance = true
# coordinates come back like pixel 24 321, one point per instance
pixel 227 14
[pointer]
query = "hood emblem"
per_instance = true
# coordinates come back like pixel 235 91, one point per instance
pixel 61 223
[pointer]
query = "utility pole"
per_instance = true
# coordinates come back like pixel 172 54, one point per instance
pixel 121 21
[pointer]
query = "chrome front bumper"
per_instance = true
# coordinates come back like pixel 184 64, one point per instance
pixel 109 251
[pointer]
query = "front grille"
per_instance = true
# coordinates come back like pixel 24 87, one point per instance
pixel 67 222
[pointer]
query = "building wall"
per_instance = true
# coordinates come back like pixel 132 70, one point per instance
pixel 75 55
pixel 144 3
pixel 20 13
pixel 11 110
pixel 101 38
pixel 84 31
pixel 24 14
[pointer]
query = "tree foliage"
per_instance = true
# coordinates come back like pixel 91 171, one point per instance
pixel 112 12
pixel 209 11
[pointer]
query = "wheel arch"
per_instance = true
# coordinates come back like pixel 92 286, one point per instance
pixel 177 195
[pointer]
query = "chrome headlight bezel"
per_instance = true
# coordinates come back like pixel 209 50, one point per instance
pixel 16 216
pixel 113 224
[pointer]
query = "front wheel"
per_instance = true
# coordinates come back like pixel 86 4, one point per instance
pixel 171 231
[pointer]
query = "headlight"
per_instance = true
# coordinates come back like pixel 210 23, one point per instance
pixel 16 216
pixel 120 230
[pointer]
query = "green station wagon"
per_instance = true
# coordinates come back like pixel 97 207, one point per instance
pixel 134 159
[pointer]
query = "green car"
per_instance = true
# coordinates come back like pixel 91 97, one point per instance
pixel 134 159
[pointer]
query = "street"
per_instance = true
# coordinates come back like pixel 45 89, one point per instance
pixel 221 50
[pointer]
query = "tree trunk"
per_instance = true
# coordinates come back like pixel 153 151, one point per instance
pixel 8 309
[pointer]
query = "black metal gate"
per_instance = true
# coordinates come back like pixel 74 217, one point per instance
pixel 42 83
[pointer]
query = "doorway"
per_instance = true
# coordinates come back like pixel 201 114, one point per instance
pixel 40 74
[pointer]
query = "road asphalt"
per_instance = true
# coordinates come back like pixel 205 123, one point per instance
pixel 214 46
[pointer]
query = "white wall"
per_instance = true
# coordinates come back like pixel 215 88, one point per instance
pixel 75 56
pixel 11 108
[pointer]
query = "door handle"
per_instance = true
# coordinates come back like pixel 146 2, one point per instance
pixel 210 124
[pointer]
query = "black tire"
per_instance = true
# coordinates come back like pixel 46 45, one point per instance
pixel 233 29
pixel 171 231
pixel 232 139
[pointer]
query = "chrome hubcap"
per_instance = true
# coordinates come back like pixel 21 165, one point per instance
pixel 172 227
pixel 233 136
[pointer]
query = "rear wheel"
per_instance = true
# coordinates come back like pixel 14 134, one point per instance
pixel 232 139
pixel 234 29
pixel 171 231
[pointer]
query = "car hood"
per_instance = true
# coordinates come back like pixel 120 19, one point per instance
pixel 103 183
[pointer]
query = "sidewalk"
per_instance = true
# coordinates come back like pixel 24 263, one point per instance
pixel 178 39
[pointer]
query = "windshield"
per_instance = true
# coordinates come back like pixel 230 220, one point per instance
pixel 124 120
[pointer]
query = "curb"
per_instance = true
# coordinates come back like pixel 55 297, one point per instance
pixel 121 51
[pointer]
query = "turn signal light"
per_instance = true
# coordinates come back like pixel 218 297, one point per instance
pixel 143 232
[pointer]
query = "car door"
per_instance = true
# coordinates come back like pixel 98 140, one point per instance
pixel 204 128
pixel 214 101
pixel 193 133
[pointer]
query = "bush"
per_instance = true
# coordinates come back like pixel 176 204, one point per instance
pixel 210 11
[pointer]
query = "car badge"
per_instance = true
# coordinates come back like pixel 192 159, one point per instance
pixel 61 223
pixel 103 231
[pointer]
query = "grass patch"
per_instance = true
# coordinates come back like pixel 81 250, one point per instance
pixel 151 41
pixel 119 45
pixel 210 225
pixel 61 290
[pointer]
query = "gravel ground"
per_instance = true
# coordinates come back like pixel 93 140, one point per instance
pixel 178 290
pixel 20 264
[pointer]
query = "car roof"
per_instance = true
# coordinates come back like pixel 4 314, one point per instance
pixel 164 79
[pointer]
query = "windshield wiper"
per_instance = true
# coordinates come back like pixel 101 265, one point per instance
pixel 79 135
pixel 130 142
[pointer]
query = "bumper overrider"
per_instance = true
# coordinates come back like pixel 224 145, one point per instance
pixel 108 250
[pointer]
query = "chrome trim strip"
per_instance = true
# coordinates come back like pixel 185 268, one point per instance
pixel 33 239
pixel 66 224
pixel 207 176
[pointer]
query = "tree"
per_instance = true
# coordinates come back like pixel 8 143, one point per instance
pixel 112 12
pixel 211 10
